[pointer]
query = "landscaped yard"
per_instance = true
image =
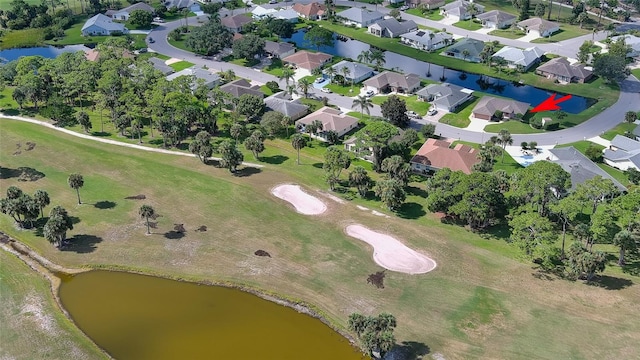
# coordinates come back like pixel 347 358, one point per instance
pixel 506 163
pixel 346 90
pixel 509 33
pixel 181 65
pixel 565 33
pixel 420 107
pixel 620 129
pixel 433 15
pixel 275 68
pixel 636 73
pixel 22 38
pixel 461 117
pixel 468 25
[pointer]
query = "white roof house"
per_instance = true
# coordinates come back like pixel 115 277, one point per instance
pixel 540 26
pixel 457 10
pixel 359 17
pixel 259 12
pixel 422 39
pixel 289 15
pixel 356 72
pixel 102 25
pixel 632 41
pixel 623 153
pixel 210 79
pixel 123 14
pixel 391 27
pixel 517 57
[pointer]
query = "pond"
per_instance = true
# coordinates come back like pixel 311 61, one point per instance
pixel 352 48
pixel 44 51
pixel 135 316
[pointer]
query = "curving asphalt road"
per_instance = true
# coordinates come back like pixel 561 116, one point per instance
pixel 629 89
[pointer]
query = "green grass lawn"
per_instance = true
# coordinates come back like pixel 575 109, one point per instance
pixel 468 25
pixel 460 118
pixel 420 107
pixel 266 90
pixel 433 15
pixel 488 303
pixel 22 38
pixel 509 34
pixel 275 68
pixel 180 44
pixel 31 320
pixel 346 90
pixel 176 16
pixel 620 129
pixel 506 163
pixel 566 32
pixel 636 73
pixel 514 127
pixel 582 145
pixel 181 65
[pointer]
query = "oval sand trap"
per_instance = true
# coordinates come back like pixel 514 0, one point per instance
pixel 303 202
pixel 390 253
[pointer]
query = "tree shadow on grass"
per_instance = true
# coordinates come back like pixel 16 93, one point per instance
pixel 82 244
pixel 632 268
pixel 174 235
pixel 247 171
pixel 101 133
pixel 611 283
pixel 410 350
pixel 411 210
pixel 275 159
pixel 102 205
pixel 318 165
pixel 22 173
pixel 212 162
pixel 416 191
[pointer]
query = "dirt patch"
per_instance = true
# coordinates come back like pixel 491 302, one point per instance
pixel 262 253
pixel 32 308
pixel 303 202
pixel 377 279
pixel 202 228
pixel 136 197
pixel 390 253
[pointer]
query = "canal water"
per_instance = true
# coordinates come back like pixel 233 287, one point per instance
pixel 44 51
pixel 352 48
pixel 142 317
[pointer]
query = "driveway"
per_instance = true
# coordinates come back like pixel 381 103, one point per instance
pixel 529 37
pixel 484 31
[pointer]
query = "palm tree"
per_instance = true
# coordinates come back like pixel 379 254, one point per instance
pixel 331 72
pixel 287 74
pixel 291 89
pixel 360 179
pixel 472 9
pixel 146 212
pixel 286 122
pixel 504 139
pixel 431 37
pixel 76 182
pixel 41 198
pixel 377 56
pixel 465 54
pixel 364 103
pixel 304 85
pixel 500 62
pixel 364 56
pixel 345 72
pixel 298 142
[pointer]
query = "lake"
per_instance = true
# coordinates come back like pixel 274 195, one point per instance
pixel 44 51
pixel 134 316
pixel 529 94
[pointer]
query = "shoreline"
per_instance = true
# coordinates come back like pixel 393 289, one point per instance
pixel 52 271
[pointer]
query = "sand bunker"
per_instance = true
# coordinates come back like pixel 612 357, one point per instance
pixel 390 253
pixel 303 202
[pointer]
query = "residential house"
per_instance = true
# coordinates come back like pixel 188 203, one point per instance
pixel 236 22
pixel 388 81
pixel 579 166
pixel 496 19
pixel 240 87
pixel 123 14
pixel 459 10
pixel 623 153
pixel 541 27
pixel 445 96
pixel 161 66
pixel 102 25
pixel 426 40
pixel 279 49
pixel 307 60
pixel 488 106
pixel 282 103
pixel 391 27
pixel 633 42
pixel 359 17
pixel 563 71
pixel 260 12
pixel 204 76
pixel 518 58
pixel 183 4
pixel 438 154
pixel 331 119
pixel 429 4
pixel 356 72
pixel 473 49
pixel 289 15
pixel 312 11
pixel 636 132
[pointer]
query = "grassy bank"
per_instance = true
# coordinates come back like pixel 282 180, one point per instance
pixel 32 324
pixel 481 301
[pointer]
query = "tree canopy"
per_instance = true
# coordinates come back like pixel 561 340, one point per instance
pixel 209 39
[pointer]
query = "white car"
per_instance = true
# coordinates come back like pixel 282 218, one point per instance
pixel 326 90
pixel 319 80
pixel 369 93
pixel 432 112
pixel 273 1
pixel 158 20
pixel 404 8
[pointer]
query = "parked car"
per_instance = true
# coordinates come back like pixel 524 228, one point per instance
pixel 142 50
pixel 326 90
pixel 158 20
pixel 151 41
pixel 273 1
pixel 404 8
pixel 432 112
pixel 319 80
pixel 369 93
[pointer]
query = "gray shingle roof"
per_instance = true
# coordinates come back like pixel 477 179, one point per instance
pixel 472 45
pixel 277 48
pixel 360 15
pixel 138 6
pixel 580 167
pixel 627 149
pixel 445 94
pixel 406 81
pixel 240 87
pixel 396 26
pixel 488 105
pixel 355 70
pixel 562 67
pixel 459 8
pixel 160 65
pixel 103 22
pixel 281 103
pixel 496 16
pixel 517 56
pixel 178 4
pixel 422 37
pixel 235 21
pixel 636 131
pixel 198 73
pixel 537 24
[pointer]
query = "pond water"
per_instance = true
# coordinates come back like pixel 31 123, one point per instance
pixel 44 51
pixel 135 316
pixel 529 94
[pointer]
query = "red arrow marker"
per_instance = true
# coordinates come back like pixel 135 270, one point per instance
pixel 551 103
